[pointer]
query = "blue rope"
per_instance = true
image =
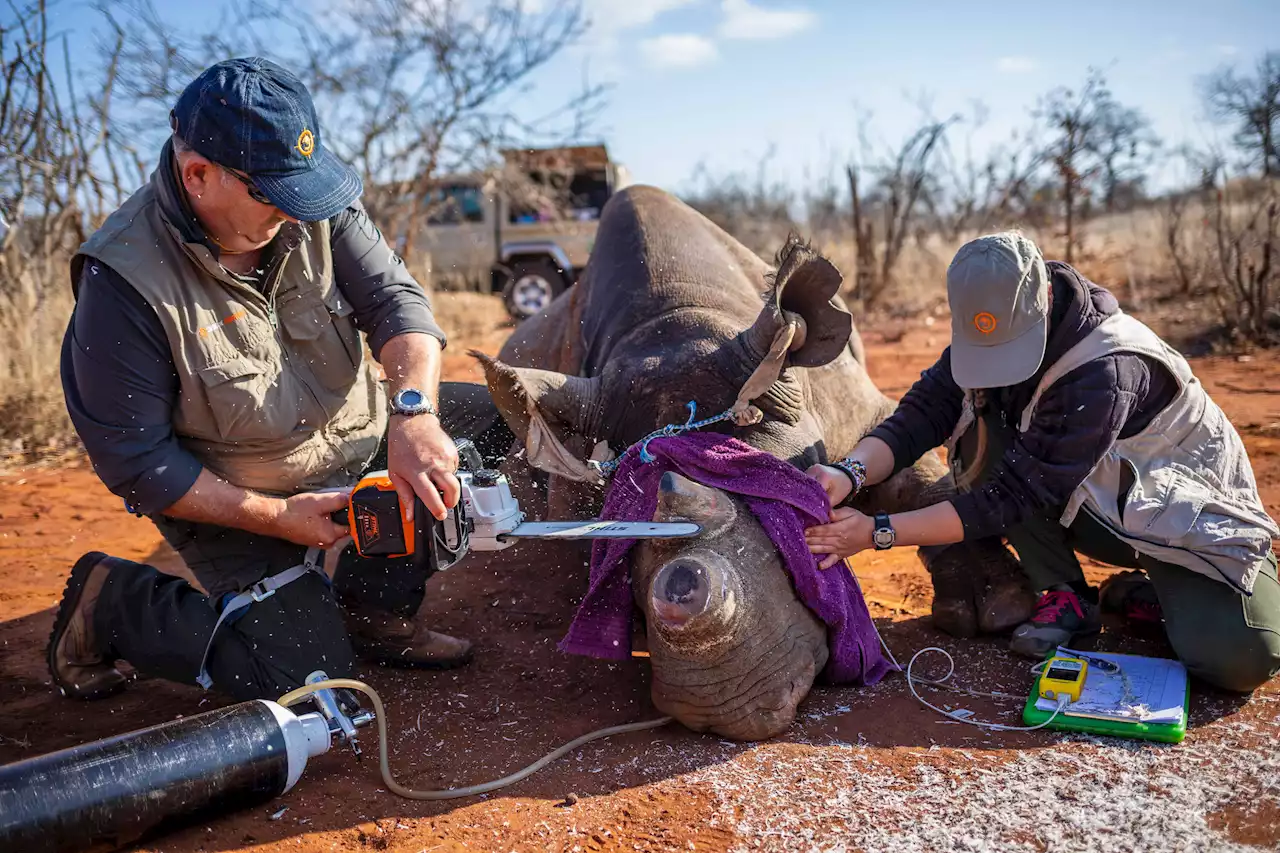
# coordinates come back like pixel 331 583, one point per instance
pixel 607 469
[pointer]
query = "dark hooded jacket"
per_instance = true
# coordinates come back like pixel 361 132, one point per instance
pixel 1076 421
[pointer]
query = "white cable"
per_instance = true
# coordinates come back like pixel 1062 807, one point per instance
pixel 1063 701
pixel 941 684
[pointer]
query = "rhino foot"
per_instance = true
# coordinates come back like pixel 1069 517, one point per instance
pixel 954 612
pixel 1005 598
pixel 978 588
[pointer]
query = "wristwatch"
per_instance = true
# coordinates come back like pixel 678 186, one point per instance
pixel 411 401
pixel 883 534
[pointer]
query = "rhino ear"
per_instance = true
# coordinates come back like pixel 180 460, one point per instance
pixel 682 498
pixel 804 290
pixel 544 408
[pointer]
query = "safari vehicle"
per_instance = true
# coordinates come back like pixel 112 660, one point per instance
pixel 525 232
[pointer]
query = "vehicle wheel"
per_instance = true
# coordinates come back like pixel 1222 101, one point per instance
pixel 533 286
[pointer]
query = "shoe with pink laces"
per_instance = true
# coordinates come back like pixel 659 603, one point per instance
pixel 1061 616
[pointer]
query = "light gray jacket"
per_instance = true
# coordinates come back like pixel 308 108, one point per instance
pixel 1194 501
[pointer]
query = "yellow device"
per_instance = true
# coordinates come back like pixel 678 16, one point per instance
pixel 1063 677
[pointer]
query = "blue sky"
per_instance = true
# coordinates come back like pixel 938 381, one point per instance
pixel 721 81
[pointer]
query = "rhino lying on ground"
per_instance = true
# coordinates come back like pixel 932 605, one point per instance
pixel 672 309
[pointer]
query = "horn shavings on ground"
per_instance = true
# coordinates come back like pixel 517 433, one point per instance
pixel 1079 793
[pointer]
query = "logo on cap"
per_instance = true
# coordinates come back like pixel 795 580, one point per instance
pixel 984 322
pixel 306 143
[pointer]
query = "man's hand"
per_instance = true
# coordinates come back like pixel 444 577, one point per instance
pixel 848 532
pixel 834 482
pixel 422 460
pixel 304 519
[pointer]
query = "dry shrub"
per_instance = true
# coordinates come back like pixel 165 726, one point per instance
pixel 1124 252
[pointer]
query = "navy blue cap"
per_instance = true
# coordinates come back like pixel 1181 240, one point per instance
pixel 254 116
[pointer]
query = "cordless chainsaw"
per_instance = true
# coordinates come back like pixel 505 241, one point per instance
pixel 488 518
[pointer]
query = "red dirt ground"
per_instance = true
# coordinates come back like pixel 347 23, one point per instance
pixel 667 789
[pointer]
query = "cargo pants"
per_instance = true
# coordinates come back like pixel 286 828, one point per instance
pixel 1227 639
pixel 162 625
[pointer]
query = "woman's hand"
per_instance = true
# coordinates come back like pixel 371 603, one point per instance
pixel 834 482
pixel 848 532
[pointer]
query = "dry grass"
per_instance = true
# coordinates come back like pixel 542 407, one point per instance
pixel 33 316
pixel 1125 253
pixel 470 319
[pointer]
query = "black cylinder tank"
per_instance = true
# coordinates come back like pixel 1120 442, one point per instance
pixel 105 794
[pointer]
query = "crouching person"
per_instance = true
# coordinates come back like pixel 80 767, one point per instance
pixel 215 370
pixel 1071 427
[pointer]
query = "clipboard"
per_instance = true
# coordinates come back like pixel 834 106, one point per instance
pixel 1149 680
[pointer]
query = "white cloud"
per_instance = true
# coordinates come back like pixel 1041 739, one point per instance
pixel 610 21
pixel 1016 64
pixel 612 16
pixel 744 20
pixel 1227 49
pixel 678 50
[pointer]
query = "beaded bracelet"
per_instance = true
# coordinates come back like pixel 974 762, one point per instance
pixel 857 473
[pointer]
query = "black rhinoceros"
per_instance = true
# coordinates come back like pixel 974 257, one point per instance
pixel 671 309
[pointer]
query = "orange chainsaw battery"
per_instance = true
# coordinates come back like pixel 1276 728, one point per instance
pixel 378 522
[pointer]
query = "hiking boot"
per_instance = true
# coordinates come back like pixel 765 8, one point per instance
pixel 77 660
pixel 391 640
pixel 1061 616
pixel 1132 596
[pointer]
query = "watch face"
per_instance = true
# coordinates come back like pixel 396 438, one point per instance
pixel 409 397
pixel 883 537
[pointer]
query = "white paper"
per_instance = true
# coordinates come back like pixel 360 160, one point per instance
pixel 1144 690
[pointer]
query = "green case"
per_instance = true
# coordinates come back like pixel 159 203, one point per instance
pixel 1163 732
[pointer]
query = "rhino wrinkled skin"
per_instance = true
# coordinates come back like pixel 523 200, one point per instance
pixel 672 309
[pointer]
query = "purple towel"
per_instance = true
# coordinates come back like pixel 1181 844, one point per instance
pixel 783 498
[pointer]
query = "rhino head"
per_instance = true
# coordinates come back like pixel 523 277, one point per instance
pixel 733 650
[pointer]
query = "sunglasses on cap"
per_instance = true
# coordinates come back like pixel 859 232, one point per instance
pixel 254 192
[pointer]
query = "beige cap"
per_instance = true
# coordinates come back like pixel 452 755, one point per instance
pixel 998 289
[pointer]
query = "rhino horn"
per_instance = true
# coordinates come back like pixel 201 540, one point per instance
pixel 681 498
pixel 543 408
pixel 804 295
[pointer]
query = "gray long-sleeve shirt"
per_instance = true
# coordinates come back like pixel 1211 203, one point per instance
pixel 121 385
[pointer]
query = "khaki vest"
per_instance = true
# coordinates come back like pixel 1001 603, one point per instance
pixel 1194 501
pixel 276 392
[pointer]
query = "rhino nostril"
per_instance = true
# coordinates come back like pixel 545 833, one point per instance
pixel 682 581
pixel 681 591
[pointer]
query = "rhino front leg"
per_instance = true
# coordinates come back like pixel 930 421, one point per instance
pixel 977 586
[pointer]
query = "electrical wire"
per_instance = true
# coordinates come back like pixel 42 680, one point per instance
pixel 380 715
pixel 940 683
pixel 1063 701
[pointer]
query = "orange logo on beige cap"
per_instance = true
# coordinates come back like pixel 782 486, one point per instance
pixel 984 322
pixel 306 143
